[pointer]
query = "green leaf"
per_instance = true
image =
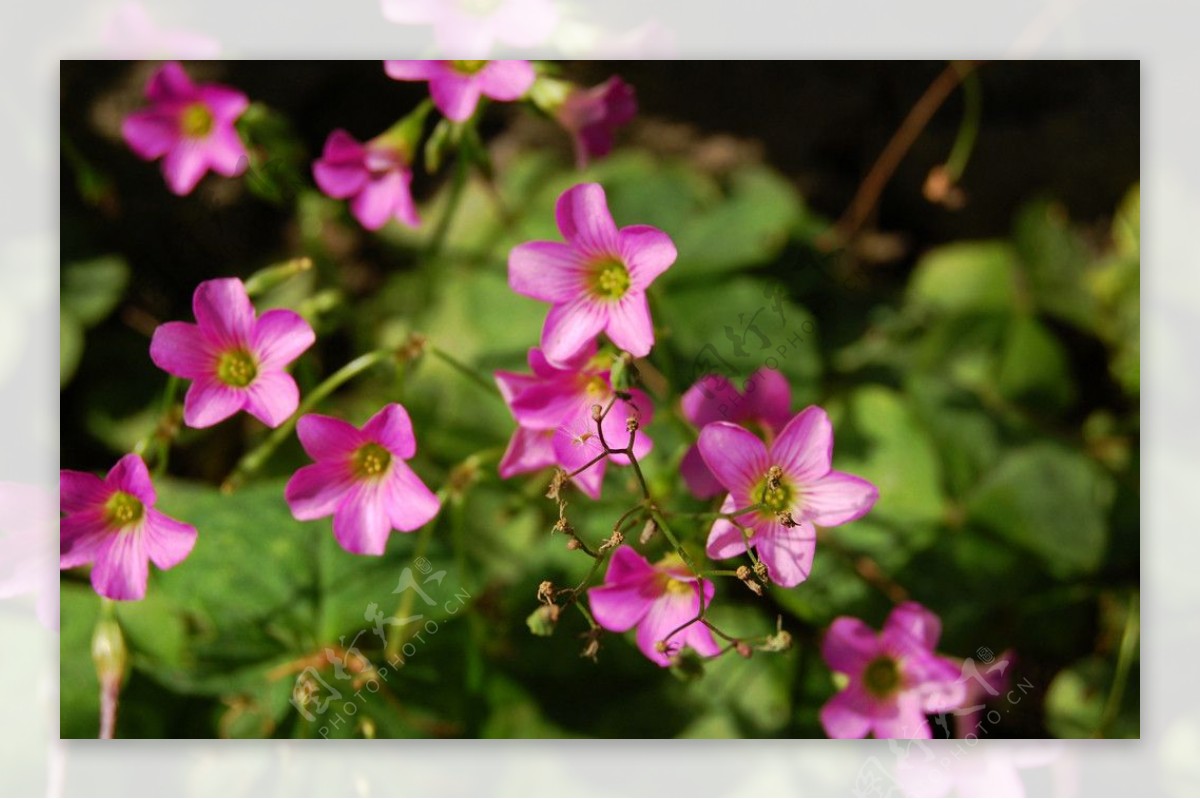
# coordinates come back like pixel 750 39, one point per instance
pixel 1050 501
pixel 70 346
pixel 1055 258
pixel 966 277
pixel 1034 367
pixel 92 289
pixel 1076 699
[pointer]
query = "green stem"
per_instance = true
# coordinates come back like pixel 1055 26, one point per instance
pixel 438 240
pixel 968 130
pixel 396 637
pixel 1129 641
pixel 254 460
pixel 467 371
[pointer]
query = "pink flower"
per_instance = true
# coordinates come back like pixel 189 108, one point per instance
pixel 593 115
pixel 553 407
pixel 376 175
pixel 981 686
pixel 190 126
pixel 27 522
pixel 456 86
pixel 792 476
pixel 131 33
pixel 468 27
pixel 765 405
pixel 235 361
pixel 659 599
pixel 112 523
pixel 596 281
pixel 360 478
pixel 895 677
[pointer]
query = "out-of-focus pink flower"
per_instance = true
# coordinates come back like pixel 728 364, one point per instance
pixel 360 478
pixel 593 115
pixel 765 404
pixel 190 126
pixel 27 522
pixel 131 33
pixel 235 360
pixel 472 27
pixel 553 407
pixel 596 281
pixel 376 177
pixel 993 770
pixel 894 676
pixel 793 476
pixel 112 524
pixel 456 86
pixel 982 685
pixel 659 599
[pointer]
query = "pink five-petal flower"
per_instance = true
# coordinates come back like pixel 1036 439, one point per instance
pixel 235 360
pixel 190 126
pixel 112 524
pixel 376 177
pixel 593 115
pixel 793 476
pixel 470 28
pixel 456 86
pixel 765 404
pixel 596 281
pixel 360 478
pixel 553 408
pixel 659 599
pixel 895 678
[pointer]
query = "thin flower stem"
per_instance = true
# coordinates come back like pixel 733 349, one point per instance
pixel 164 429
pixel 1129 641
pixel 587 614
pixel 254 460
pixel 396 636
pixel 438 240
pixel 467 371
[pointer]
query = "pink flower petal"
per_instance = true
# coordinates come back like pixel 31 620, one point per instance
pixel 279 337
pixel 209 401
pixel 361 523
pixel 79 491
pixel 667 612
pixel 410 502
pixel 908 722
pixel 166 540
pixel 627 566
pixel 842 717
pixel 392 428
pixel 849 645
pixel 736 457
pixel 378 200
pixel 571 327
pixel 584 220
pixel 528 451
pixel 545 404
pixel 170 83
pixel 150 133
pixel 768 398
pixel 341 172
pixel 225 152
pixel 838 498
pixel 787 552
pixel 121 568
pixel 697 476
pixel 543 368
pixel 804 448
pixel 455 95
pixel 511 384
pixel 184 166
pixel 524 23
pixel 725 540
pixel 82 537
pixel 317 490
pixel 506 80
pixel 916 623
pixel 629 325
pixel 181 349
pixel 546 270
pixel 327 437
pixel 647 253
pixel 620 606
pixel 713 399
pixel 224 311
pixel 412 70
pixel 225 103
pixel 272 397
pixel 131 476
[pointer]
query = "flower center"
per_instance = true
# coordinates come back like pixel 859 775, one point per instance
pixel 237 368
pixel 123 509
pixel 673 563
pixel 596 387
pixel 609 279
pixel 881 677
pixel 371 460
pixel 774 492
pixel 467 67
pixel 196 121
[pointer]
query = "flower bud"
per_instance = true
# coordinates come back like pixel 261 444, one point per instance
pixel 542 621
pixel 760 571
pixel 545 592
pixel 597 413
pixel 648 532
pixel 631 425
pixel 743 649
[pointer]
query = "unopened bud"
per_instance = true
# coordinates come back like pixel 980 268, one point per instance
pixel 541 622
pixel 108 650
pixel 743 649
pixel 631 425
pixel 574 544
pixel 597 413
pixel 592 648
pixel 648 532
pixel 744 574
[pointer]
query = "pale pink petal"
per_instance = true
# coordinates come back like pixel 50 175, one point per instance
pixel 131 476
pixel 843 717
pixel 940 686
pixel 455 95
pixel 543 368
pixel 412 70
pixel 576 444
pixel 848 645
pixel 591 481
pixel 341 171
pixel 410 502
pixel 224 311
pixel 279 337
pixel 647 253
pixel 210 401
pixel 524 23
pixel 121 568
pixel 184 165
pixel 316 491
pixel 463 33
pixel 272 398
pixel 506 80
pixel 768 398
pixel 170 83
pixel 837 498
pixel 80 491
pixel 725 540
pixel 697 476
pixel 528 451
pixel 629 325
pixel 378 200
pixel 545 404
pixel 181 349
pixel 411 12
pixel 327 437
pixel 571 327
pixel 360 523
pixel 618 607
pixel 787 552
pixel 166 541
pixel 82 536
pixel 804 448
pixel 226 153
pixel 150 133
pixel 392 428
pixel 713 399
pixel 546 270
pixel 666 613
pixel 511 384
pixel 584 220
pixel 735 455
pixel 908 721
